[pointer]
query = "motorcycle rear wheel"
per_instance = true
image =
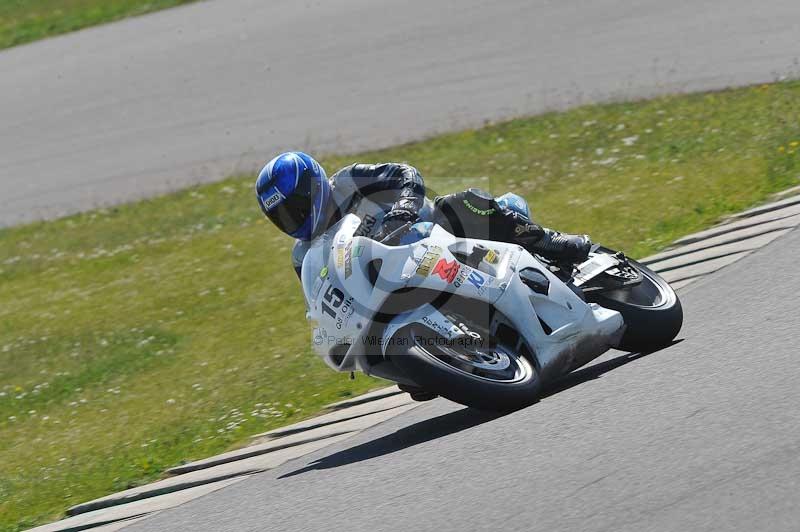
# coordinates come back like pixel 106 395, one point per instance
pixel 487 378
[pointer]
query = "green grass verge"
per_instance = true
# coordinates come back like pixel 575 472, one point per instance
pixel 23 21
pixel 137 337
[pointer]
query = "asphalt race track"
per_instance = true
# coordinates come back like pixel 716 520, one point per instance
pixel 702 435
pixel 187 95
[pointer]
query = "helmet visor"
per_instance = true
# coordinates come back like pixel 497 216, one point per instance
pixel 291 213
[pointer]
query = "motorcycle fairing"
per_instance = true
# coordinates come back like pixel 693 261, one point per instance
pixel 343 294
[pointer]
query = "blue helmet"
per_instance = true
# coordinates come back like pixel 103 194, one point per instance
pixel 293 191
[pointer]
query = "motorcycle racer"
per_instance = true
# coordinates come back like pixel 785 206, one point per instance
pixel 296 195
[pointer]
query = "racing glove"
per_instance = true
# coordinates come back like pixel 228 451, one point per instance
pixel 393 220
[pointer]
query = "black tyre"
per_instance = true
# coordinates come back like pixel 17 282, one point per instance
pixel 651 310
pixel 490 378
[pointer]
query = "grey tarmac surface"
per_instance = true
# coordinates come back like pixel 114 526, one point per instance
pixel 151 104
pixel 702 435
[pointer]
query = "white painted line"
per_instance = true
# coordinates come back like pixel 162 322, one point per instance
pixel 316 434
pixel 134 509
pixel 119 525
pixel 677 285
pixel 206 476
pixel 703 255
pixel 786 193
pixel 774 206
pixel 703 268
pixel 739 224
pixel 726 238
pixel 341 415
pixel 365 398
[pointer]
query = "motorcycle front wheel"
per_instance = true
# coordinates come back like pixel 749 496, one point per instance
pixel 489 377
pixel 651 310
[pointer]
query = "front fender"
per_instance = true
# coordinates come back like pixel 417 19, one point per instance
pixel 426 315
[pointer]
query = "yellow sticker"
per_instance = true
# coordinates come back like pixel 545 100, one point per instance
pixel 340 257
pixel 428 260
pixel 492 257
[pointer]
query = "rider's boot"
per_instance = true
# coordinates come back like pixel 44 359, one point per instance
pixel 562 246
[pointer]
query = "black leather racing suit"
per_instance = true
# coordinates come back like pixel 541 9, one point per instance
pixel 385 196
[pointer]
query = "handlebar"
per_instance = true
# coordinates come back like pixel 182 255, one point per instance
pixel 388 239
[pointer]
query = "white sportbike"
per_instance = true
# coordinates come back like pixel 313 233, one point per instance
pixel 483 323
